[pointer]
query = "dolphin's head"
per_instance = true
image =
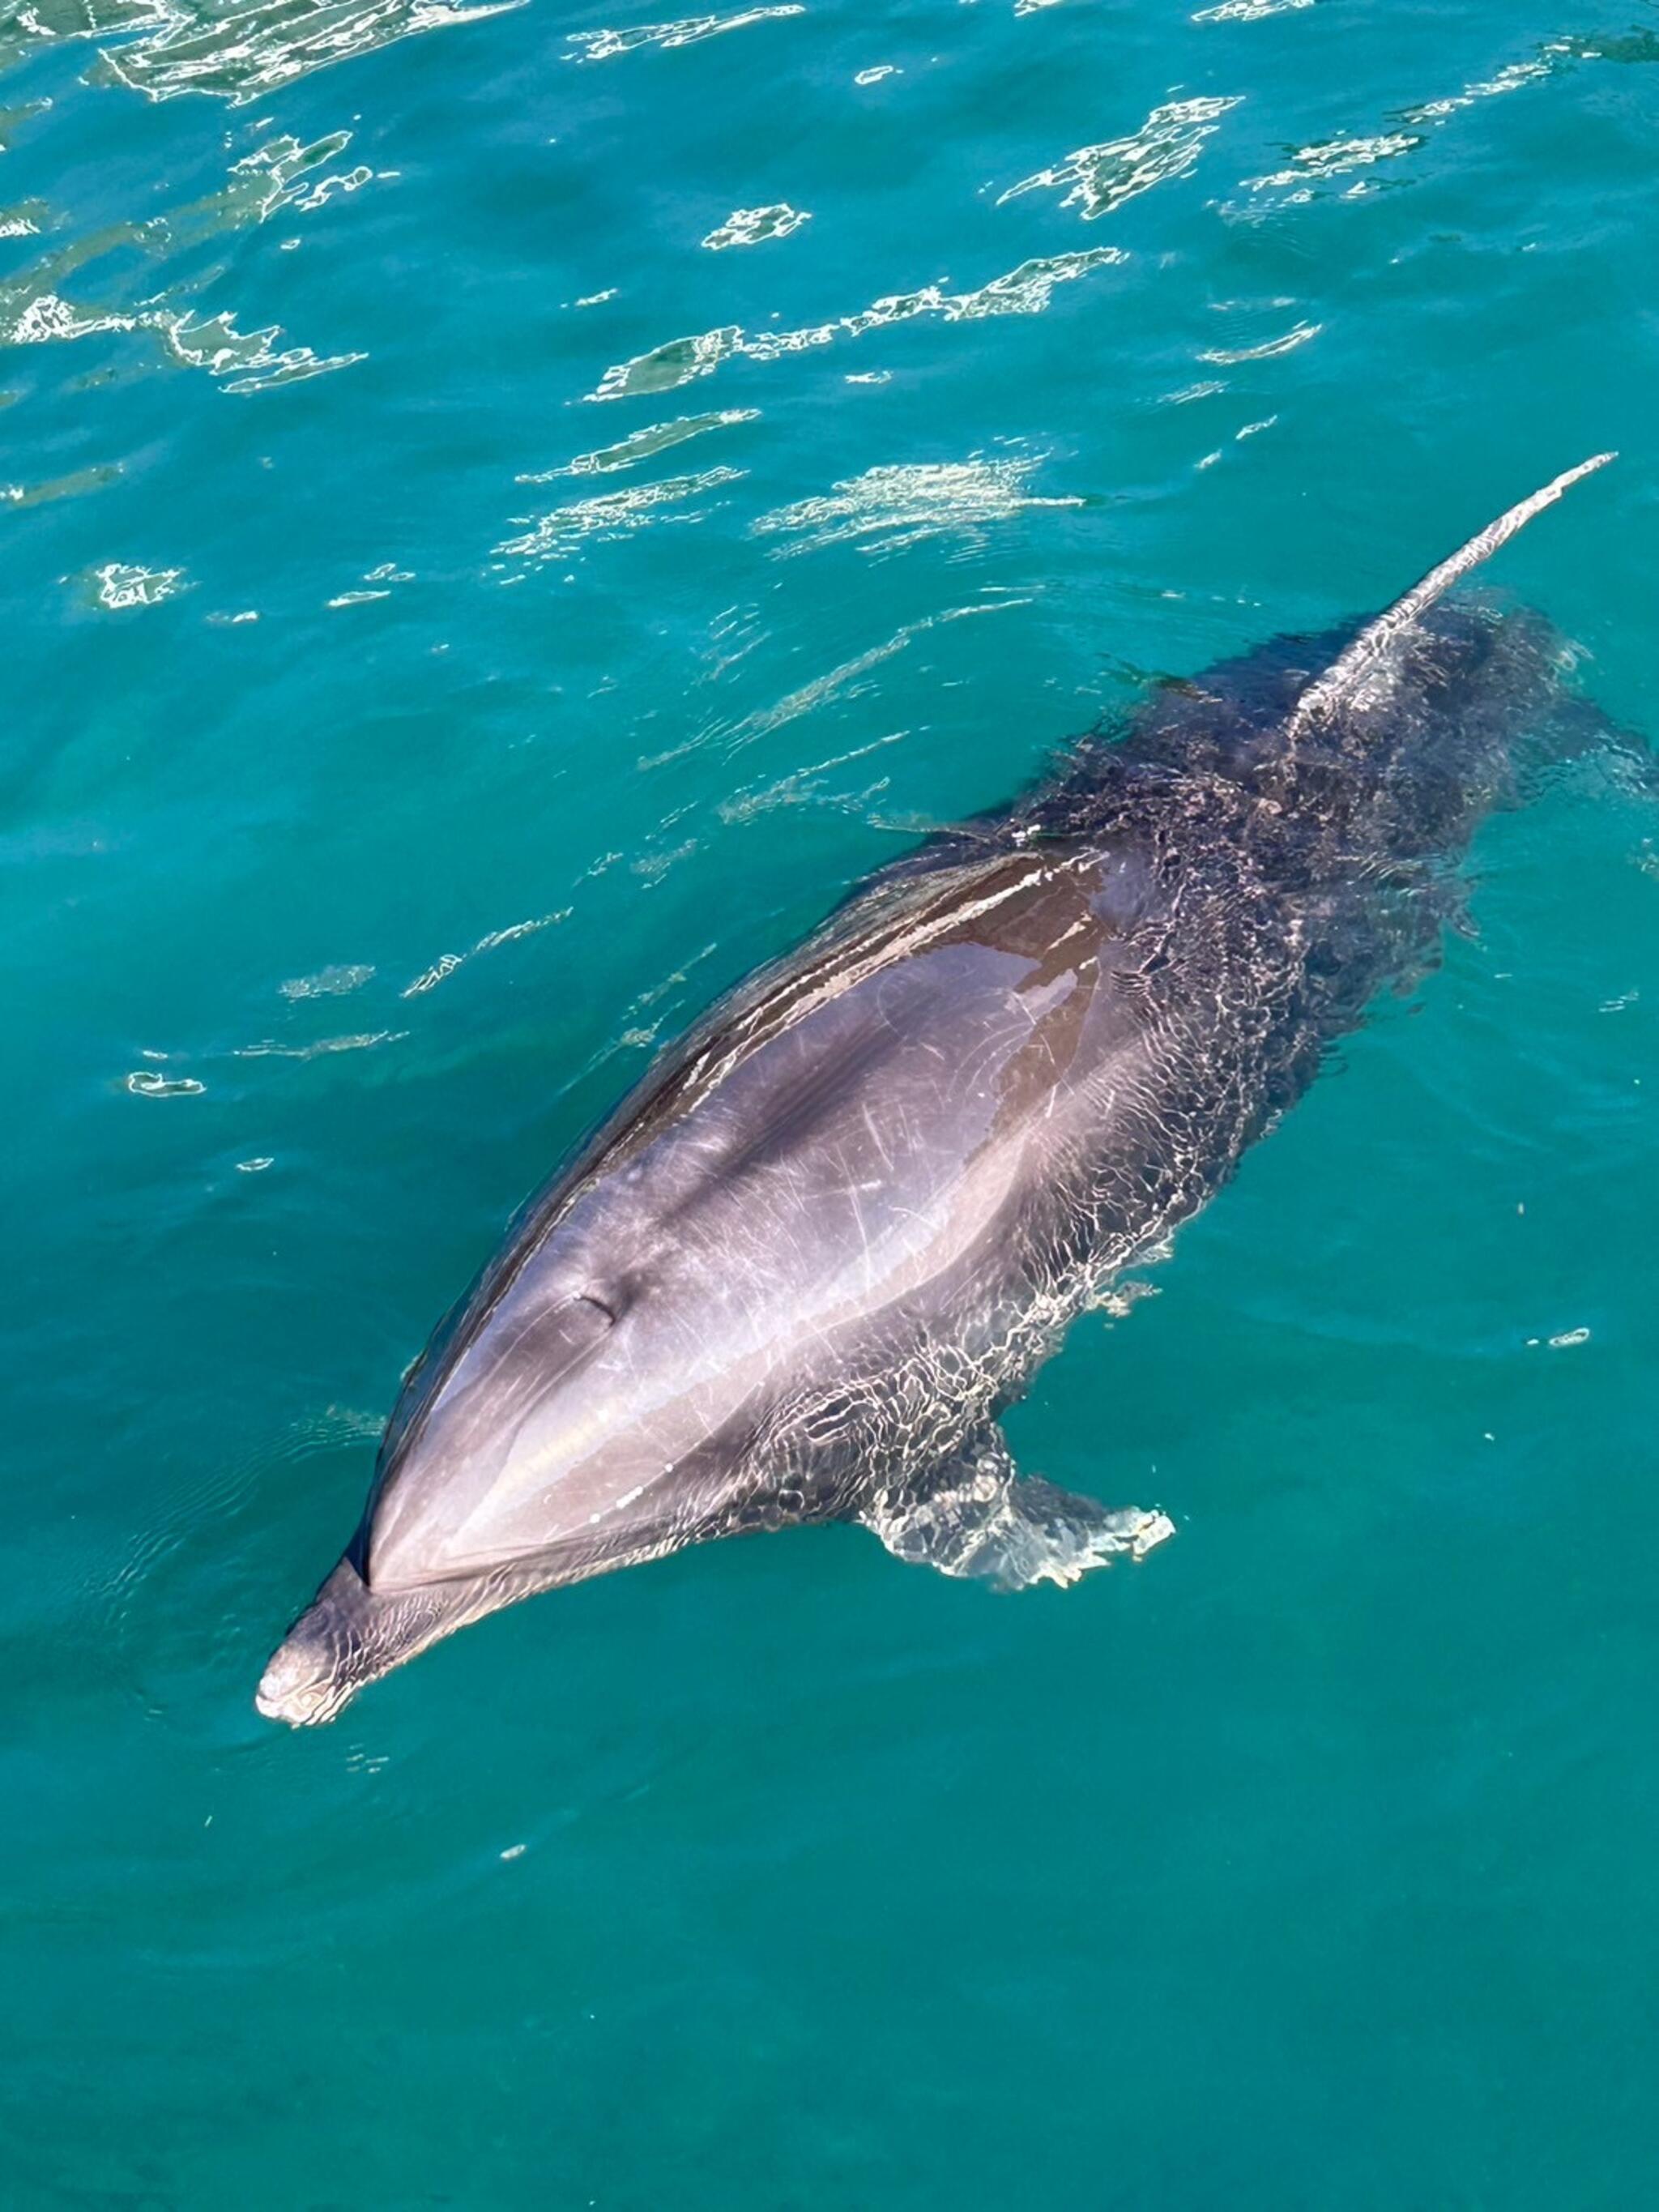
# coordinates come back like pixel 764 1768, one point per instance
pixel 494 1460
pixel 529 1450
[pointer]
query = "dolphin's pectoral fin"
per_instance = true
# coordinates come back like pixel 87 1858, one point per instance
pixel 976 1516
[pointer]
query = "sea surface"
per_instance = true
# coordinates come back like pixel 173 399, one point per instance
pixel 505 513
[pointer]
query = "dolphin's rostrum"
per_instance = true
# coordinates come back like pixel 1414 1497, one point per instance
pixel 801 1269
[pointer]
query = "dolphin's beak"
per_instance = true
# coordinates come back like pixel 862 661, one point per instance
pixel 325 1656
pixel 350 1635
pixel 290 1690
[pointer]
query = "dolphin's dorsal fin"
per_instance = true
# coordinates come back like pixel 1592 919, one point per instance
pixel 1347 675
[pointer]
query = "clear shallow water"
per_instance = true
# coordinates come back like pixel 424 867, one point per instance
pixel 508 514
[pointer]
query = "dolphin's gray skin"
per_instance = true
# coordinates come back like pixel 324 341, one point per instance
pixel 797 1274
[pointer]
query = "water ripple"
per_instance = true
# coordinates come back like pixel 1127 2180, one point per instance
pixel 751 226
pixel 1313 166
pixel 1023 291
pixel 148 1083
pixel 12 119
pixel 602 45
pixel 1269 350
pixel 282 174
pixel 890 508
pixel 1544 62
pixel 642 446
pixel 610 514
pixel 1246 11
pixel 247 52
pixel 805 786
pixel 362 1041
pixel 446 962
pixel 1336 157
pixel 65 487
pixel 329 983
pixel 117 585
pixel 1099 179
pixel 842 682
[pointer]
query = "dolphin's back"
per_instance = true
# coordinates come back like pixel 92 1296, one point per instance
pixel 860 1160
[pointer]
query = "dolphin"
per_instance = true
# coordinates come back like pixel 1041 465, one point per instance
pixel 809 1259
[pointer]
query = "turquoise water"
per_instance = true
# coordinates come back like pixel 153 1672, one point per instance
pixel 506 515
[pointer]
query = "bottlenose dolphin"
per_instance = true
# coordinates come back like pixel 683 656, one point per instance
pixel 798 1273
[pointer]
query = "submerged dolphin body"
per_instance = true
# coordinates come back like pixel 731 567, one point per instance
pixel 798 1273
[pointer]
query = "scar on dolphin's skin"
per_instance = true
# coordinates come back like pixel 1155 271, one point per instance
pixel 801 1270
